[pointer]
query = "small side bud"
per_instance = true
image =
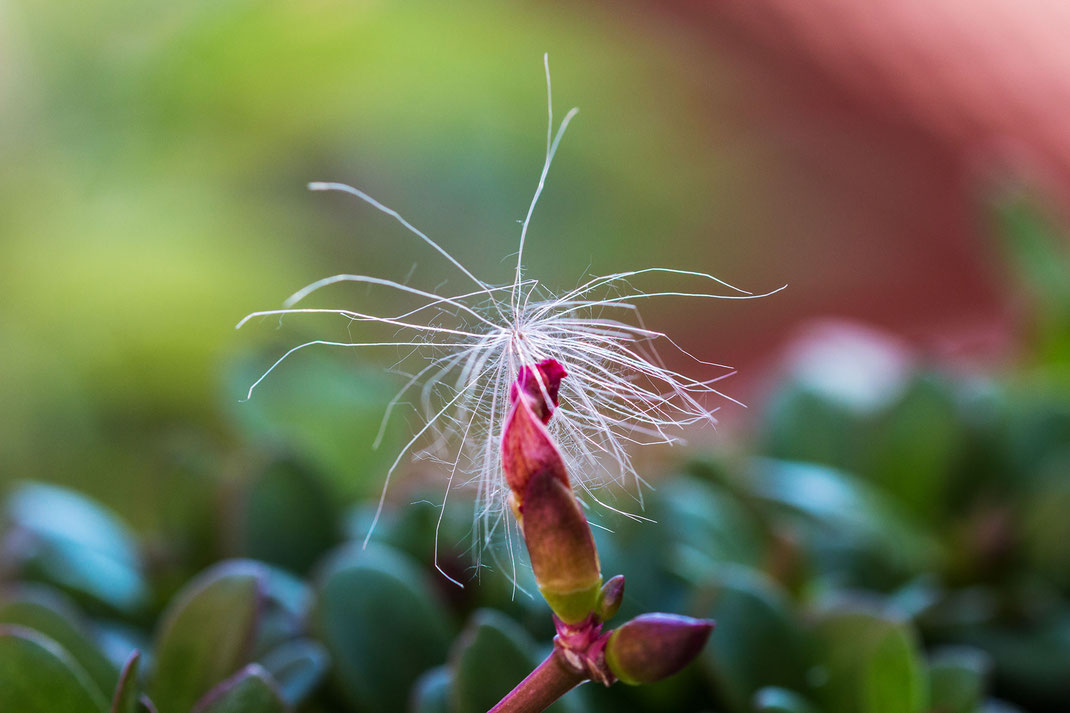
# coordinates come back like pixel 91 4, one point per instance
pixel 611 598
pixel 654 646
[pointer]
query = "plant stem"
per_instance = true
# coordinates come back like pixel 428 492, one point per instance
pixel 548 682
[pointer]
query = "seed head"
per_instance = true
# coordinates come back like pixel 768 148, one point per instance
pixel 470 356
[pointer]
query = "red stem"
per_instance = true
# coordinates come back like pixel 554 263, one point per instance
pixel 548 682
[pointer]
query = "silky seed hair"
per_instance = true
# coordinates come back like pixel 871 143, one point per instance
pixel 462 352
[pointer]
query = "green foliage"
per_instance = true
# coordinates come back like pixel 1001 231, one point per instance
pixel 433 692
pixel 382 625
pixel 249 691
pixel 491 652
pixel 759 640
pixel 48 614
pixel 126 690
pixel 286 517
pixel 68 540
pixel 779 700
pixel 893 541
pixel 871 664
pixel 205 635
pixel 39 676
pixel 297 667
pixel 839 585
pixel 957 679
pixel 1036 248
pixel 894 538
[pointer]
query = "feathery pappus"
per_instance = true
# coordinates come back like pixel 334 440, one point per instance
pixel 464 351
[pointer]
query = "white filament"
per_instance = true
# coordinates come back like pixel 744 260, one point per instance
pixel 471 347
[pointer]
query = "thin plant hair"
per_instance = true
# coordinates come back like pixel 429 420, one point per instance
pixel 470 348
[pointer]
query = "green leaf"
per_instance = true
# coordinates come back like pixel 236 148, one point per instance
pixel 283 613
pixel 324 408
pixel 839 378
pixel 412 528
pixel 298 667
pixel 1029 657
pixel 852 526
pixel 917 444
pixel 893 679
pixel 758 641
pixel 433 692
pixel 1035 244
pixel 1045 526
pixel 47 613
pixel 287 517
pixel 38 676
pixel 640 553
pixel 871 663
pixel 252 690
pixel 957 679
pixel 381 624
pixel 1037 429
pixel 781 700
pixel 206 634
pixel 489 658
pixel 70 541
pixel 708 520
pixel 125 698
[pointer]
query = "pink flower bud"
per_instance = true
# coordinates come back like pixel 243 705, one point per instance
pixel 653 646
pixel 559 541
pixel 527 449
pixel 536 384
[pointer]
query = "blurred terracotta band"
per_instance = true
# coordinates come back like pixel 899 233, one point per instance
pixel 989 80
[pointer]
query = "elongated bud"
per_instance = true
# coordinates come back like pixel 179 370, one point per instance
pixel 653 646
pixel 558 538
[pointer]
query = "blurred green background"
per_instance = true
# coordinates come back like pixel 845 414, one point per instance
pixel 912 462
pixel 153 190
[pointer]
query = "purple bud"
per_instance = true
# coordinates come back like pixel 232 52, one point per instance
pixel 612 596
pixel 653 646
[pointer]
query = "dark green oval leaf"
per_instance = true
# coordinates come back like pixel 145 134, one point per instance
pixel 957 679
pixel 758 641
pixel 206 634
pixel 297 667
pixel 77 544
pixel 250 691
pixel 38 676
pixel 57 619
pixel 489 658
pixel 871 664
pixel 433 692
pixel 381 624
pixel 286 517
